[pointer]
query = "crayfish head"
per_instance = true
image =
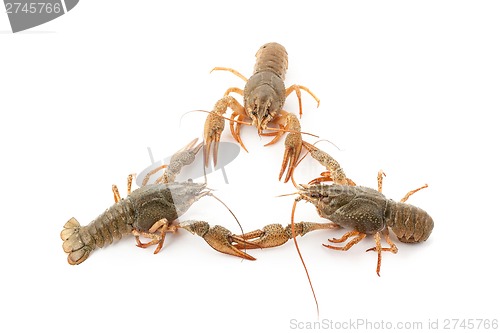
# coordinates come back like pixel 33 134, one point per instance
pixel 186 193
pixel 262 106
pixel 326 197
pixel 312 193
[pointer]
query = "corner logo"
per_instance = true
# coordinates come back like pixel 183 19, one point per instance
pixel 28 14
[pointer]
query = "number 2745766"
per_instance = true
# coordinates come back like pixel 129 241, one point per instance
pixel 33 8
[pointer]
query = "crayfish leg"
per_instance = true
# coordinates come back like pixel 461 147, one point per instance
pixel 116 193
pixel 412 192
pixel 297 89
pixel 358 237
pixel 378 247
pixel 234 71
pixel 156 238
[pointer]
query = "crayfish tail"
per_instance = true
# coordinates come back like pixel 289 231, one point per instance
pixel 78 243
pixel 409 223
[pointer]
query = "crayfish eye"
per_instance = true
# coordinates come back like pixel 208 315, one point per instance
pixel 254 113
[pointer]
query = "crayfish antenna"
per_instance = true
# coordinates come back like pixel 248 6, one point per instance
pixel 287 194
pixel 294 236
pixel 333 144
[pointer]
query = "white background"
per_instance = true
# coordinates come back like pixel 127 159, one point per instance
pixel 408 87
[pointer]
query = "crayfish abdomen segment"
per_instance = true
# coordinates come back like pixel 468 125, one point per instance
pixel 272 57
pixel 410 224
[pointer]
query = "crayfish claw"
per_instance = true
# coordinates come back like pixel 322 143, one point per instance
pixel 214 125
pixel 221 239
pixel 218 237
pixel 271 235
pixel 275 234
pixel 334 172
pixel 293 144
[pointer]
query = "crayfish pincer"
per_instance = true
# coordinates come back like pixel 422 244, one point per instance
pixel 150 211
